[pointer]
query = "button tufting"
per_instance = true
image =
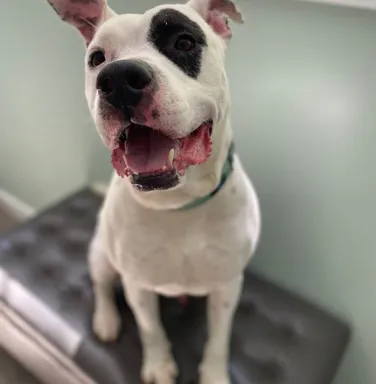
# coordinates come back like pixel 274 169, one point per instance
pixel 48 270
pixel 80 207
pixel 24 244
pixel 47 265
pixel 287 333
pixel 270 369
pixel 72 295
pixel 76 240
pixel 248 308
pixel 50 225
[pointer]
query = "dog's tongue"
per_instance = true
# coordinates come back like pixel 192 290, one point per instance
pixel 147 151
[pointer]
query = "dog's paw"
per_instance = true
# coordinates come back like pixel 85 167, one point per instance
pixel 107 324
pixel 214 374
pixel 159 368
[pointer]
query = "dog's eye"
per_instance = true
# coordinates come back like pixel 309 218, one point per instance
pixel 96 58
pixel 185 43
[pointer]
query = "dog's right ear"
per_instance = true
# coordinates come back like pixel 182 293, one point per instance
pixel 85 15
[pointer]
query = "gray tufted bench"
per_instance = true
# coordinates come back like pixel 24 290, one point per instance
pixel 46 306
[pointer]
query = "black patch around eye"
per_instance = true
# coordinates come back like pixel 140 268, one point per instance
pixel 166 28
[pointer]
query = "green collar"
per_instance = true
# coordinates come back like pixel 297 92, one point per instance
pixel 226 172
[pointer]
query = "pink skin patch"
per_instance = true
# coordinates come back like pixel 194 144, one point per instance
pixel 196 148
pixel 227 7
pixel 118 161
pixel 218 14
pixel 219 23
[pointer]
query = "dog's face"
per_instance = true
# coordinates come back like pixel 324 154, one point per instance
pixel 155 83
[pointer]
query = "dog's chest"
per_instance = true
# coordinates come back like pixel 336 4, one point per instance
pixel 191 253
pixel 180 252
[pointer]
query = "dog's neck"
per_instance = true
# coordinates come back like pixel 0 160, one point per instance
pixel 198 181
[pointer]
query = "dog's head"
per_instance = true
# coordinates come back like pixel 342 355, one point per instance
pixel 155 83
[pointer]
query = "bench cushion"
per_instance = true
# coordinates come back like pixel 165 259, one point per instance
pixel 277 336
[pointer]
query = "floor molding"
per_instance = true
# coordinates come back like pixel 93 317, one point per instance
pixel 19 210
pixel 15 207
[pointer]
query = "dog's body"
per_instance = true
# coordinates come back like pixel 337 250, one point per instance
pixel 181 252
pixel 172 60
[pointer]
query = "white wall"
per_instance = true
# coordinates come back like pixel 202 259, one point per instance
pixel 303 81
pixel 46 132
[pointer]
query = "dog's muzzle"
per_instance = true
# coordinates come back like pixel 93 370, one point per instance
pixel 123 83
pixel 150 158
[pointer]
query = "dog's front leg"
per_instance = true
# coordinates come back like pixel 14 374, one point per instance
pixel 106 319
pixel 158 365
pixel 221 307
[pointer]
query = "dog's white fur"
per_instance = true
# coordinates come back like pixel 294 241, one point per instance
pixel 156 250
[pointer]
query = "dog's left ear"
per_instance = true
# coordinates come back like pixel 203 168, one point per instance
pixel 217 13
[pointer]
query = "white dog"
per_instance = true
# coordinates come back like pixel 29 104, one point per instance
pixel 183 217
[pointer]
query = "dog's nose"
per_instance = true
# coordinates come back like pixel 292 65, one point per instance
pixel 122 83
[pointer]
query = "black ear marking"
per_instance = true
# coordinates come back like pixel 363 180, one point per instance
pixel 166 26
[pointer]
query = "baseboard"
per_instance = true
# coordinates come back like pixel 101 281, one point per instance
pixel 15 207
pixel 20 210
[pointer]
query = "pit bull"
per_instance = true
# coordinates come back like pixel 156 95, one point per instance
pixel 181 216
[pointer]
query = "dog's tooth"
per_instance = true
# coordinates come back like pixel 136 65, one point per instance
pixel 171 155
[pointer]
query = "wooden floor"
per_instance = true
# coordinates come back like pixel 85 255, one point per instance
pixel 10 371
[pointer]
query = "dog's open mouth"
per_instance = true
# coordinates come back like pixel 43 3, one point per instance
pixel 153 160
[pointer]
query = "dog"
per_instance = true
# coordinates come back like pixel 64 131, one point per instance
pixel 180 217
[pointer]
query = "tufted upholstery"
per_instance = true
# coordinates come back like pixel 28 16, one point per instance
pixel 278 338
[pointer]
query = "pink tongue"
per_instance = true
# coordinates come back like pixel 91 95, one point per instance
pixel 147 150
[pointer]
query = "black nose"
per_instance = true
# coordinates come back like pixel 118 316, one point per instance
pixel 123 82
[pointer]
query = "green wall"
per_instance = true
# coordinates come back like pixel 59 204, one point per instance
pixel 303 81
pixel 45 128
pixel 304 92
